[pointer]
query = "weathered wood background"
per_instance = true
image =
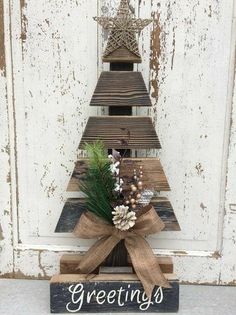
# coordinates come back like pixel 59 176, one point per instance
pixel 50 61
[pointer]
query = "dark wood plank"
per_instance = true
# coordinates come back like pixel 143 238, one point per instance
pixel 121 132
pixel 121 66
pixel 102 277
pixel 69 262
pixel 153 174
pixel 121 88
pixel 165 211
pixel 70 215
pixel 120 111
pixel 75 207
pixel 110 293
pixel 122 54
pixel 119 254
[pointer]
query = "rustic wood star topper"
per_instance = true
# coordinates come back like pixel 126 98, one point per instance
pixel 123 28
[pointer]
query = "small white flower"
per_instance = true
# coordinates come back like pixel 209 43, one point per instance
pixel 123 219
pixel 121 181
pixel 114 168
pixel 111 158
pixel 118 187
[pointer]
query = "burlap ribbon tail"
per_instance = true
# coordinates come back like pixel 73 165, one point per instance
pixel 144 261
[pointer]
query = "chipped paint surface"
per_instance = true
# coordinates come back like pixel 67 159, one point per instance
pixel 2 45
pixel 56 63
pixel 228 273
pixel 190 70
pixel 6 241
pixel 1 234
pixel 24 21
pixel 155 55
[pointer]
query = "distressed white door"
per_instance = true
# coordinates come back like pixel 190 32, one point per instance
pixel 50 59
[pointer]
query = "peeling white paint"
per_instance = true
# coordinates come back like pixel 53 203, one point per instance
pixel 56 63
pixel 6 241
pixel 228 269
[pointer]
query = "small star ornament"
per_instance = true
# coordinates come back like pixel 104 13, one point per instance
pixel 123 30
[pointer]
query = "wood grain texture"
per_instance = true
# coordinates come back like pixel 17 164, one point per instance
pixel 75 207
pixel 153 173
pixel 69 262
pixel 62 301
pixel 122 54
pixel 121 132
pixel 121 88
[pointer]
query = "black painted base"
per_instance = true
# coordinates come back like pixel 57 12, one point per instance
pixel 106 293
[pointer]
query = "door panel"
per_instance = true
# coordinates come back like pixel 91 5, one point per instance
pixel 56 50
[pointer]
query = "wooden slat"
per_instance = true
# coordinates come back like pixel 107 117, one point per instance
pixel 115 270
pixel 75 207
pixel 121 132
pixel 121 88
pixel 165 263
pixel 110 293
pixel 65 278
pixel 153 174
pixel 122 54
pixel 121 66
pixel 118 256
pixel 69 262
pixel 165 211
pixel 120 111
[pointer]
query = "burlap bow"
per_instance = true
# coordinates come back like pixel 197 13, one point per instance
pixel 144 261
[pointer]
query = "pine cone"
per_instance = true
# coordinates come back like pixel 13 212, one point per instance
pixel 123 219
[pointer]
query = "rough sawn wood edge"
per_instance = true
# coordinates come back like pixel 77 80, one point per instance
pixel 154 176
pixel 69 262
pixel 74 207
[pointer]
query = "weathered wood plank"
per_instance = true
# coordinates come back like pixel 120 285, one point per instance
pixel 166 264
pixel 75 207
pixel 121 132
pixel 153 174
pixel 119 254
pixel 110 293
pixel 122 54
pixel 120 111
pixel 69 262
pixel 165 211
pixel 121 66
pixel 121 88
pixel 103 277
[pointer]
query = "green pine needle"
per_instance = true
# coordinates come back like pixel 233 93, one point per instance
pixel 99 183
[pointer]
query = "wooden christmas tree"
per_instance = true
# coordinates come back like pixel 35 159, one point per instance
pixel 119 89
